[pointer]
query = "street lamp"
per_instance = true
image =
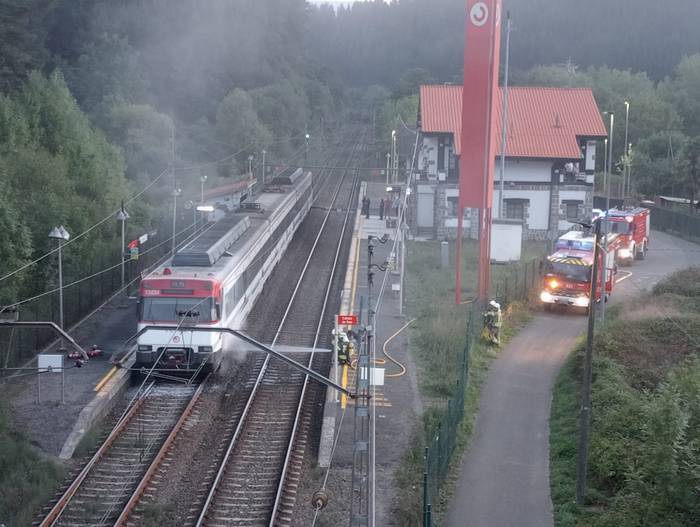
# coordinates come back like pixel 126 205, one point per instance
pixel 393 156
pixel 625 184
pixel 388 167
pixel 122 216
pixel 202 179
pixel 610 156
pixel 263 167
pixel 62 235
pixel 306 147
pixel 176 192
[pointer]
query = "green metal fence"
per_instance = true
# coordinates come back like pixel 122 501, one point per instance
pixel 675 222
pixel 509 284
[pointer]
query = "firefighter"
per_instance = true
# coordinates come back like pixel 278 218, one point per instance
pixel 493 320
pixel 342 343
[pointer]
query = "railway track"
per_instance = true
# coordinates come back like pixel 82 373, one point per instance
pixel 98 494
pixel 256 481
pixel 120 482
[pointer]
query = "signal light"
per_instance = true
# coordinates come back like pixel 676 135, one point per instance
pixel 167 271
pixel 629 219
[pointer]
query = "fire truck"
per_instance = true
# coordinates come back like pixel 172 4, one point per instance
pixel 632 225
pixel 567 279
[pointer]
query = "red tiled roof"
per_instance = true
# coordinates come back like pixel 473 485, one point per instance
pixel 542 122
pixel 231 188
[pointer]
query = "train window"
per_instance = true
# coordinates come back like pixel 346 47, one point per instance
pixel 173 309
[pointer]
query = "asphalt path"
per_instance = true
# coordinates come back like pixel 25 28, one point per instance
pixel 504 480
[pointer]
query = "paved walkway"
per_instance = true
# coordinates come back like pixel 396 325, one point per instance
pixel 504 478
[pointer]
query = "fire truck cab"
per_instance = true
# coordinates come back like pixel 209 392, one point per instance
pixel 567 279
pixel 632 226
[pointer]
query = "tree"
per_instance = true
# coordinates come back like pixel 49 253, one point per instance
pixel 21 40
pixel 238 125
pixel 691 156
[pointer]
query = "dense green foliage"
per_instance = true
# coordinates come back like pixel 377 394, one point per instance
pixel 55 168
pixel 374 42
pixel 645 440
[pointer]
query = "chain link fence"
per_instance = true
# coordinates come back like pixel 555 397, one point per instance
pixel 509 284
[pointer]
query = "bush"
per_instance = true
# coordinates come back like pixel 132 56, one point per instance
pixel 27 481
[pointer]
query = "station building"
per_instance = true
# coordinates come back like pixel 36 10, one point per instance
pixel 552 137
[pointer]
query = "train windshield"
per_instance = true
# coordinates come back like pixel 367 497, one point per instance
pixel 578 273
pixel 175 309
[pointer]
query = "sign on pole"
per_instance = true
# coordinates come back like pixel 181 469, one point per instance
pixel 134 253
pixel 347 320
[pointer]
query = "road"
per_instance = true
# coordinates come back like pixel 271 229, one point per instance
pixel 504 480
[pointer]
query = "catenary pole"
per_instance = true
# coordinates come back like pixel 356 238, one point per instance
pixel 585 416
pixel 504 122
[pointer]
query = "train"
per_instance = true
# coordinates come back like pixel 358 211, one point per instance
pixel 214 280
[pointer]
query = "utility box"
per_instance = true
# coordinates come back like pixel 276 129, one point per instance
pixel 506 240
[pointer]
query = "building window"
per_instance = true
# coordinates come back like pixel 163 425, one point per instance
pixel 515 208
pixel 571 209
pixel 452 206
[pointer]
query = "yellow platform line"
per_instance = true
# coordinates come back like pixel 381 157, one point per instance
pixel 353 291
pixel 105 379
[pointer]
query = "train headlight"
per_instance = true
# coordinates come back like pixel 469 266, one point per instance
pixel 144 347
pixel 205 349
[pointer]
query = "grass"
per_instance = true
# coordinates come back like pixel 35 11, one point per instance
pixel 645 429
pixel 27 480
pixel 437 343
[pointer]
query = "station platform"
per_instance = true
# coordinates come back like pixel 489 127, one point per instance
pixel 396 403
pixel 35 405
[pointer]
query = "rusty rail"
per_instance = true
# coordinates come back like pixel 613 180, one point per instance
pixel 60 506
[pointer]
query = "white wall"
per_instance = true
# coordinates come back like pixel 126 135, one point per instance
pixel 506 241
pixel 532 171
pixel 539 206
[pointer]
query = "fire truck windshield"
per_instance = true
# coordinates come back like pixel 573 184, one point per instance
pixel 621 227
pixel 174 309
pixel 578 273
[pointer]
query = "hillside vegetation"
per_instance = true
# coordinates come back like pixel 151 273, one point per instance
pixel 644 464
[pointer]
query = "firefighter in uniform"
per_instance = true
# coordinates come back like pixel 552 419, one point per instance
pixel 493 320
pixel 343 346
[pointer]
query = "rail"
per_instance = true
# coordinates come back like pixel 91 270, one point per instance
pixel 63 502
pixel 215 487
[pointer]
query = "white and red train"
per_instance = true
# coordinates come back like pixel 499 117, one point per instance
pixel 214 281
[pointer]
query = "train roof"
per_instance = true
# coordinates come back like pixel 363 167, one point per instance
pixel 216 252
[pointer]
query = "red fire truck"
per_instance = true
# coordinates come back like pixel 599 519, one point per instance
pixel 633 227
pixel 567 280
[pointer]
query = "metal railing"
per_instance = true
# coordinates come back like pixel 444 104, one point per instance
pixel 675 222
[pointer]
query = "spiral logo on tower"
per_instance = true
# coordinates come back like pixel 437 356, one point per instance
pixel 479 14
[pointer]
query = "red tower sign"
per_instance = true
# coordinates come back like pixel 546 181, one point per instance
pixel 478 150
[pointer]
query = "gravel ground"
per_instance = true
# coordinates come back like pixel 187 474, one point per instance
pixel 48 424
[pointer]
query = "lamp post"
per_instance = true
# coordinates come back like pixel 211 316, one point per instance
pixel 263 167
pixel 388 167
pixel 504 122
pixel 306 148
pixel 393 156
pixel 610 157
pixel 122 216
pixel 175 194
pixel 605 166
pixel 62 235
pixel 625 183
pixel 202 179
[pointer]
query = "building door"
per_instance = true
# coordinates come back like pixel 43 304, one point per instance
pixel 426 207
